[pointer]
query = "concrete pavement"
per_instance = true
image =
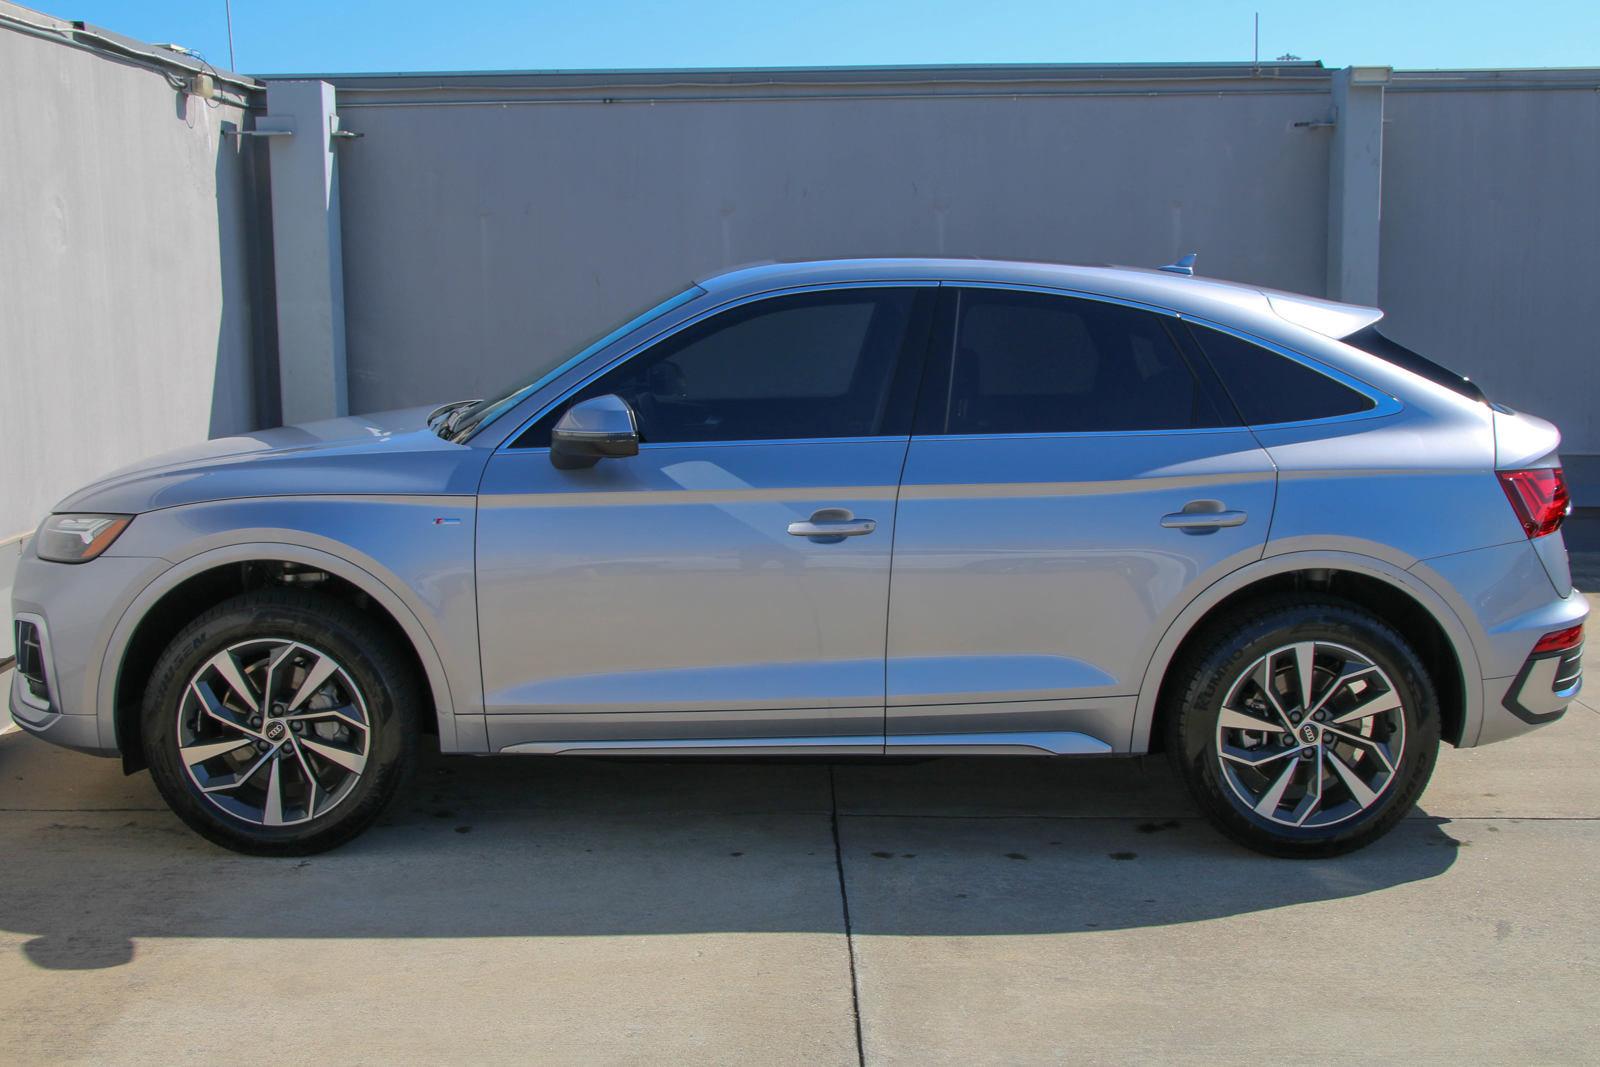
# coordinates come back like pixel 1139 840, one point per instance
pixel 998 911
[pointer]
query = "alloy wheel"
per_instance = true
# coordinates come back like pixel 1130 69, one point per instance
pixel 1310 734
pixel 273 732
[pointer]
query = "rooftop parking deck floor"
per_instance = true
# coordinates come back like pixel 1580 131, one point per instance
pixel 998 911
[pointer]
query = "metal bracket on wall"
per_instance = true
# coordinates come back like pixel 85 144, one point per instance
pixel 266 126
pixel 335 131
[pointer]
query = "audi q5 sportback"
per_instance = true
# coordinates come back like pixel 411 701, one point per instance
pixel 890 507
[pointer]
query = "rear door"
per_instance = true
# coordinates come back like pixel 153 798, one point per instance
pixel 728 586
pixel 1073 479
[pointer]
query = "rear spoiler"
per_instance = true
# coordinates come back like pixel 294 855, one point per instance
pixel 1327 317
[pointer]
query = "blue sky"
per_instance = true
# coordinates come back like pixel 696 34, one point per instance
pixel 292 36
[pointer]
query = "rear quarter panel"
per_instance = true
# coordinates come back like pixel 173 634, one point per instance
pixel 1400 487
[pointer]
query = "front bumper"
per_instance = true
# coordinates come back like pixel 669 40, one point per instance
pixel 76 608
pixel 81 732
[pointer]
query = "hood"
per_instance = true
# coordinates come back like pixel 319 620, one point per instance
pixel 387 453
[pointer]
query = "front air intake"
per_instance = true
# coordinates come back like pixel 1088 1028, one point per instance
pixel 30 662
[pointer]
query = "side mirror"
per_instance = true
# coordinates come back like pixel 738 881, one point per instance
pixel 603 427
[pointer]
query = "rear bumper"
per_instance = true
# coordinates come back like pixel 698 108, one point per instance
pixel 1508 602
pixel 1539 692
pixel 1537 695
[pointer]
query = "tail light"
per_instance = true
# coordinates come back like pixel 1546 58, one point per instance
pixel 1539 497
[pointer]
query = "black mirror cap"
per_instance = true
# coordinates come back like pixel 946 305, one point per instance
pixel 602 427
pixel 573 451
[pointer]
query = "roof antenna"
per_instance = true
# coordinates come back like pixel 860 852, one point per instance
pixel 1184 266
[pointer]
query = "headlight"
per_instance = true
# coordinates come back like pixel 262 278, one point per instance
pixel 78 538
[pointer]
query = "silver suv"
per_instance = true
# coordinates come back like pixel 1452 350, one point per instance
pixel 889 507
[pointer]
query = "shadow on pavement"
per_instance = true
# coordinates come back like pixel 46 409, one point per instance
pixel 533 847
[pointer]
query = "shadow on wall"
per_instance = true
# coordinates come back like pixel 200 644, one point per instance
pixel 531 847
pixel 244 394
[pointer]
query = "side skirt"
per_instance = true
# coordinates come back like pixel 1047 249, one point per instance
pixel 1060 743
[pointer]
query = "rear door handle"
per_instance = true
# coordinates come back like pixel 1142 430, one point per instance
pixel 1203 516
pixel 831 525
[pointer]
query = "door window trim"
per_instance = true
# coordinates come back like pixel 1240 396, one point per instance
pixel 508 445
pixel 1383 404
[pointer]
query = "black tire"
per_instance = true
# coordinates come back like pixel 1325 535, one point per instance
pixel 369 657
pixel 1229 648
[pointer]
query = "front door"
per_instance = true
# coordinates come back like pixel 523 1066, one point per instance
pixel 1073 479
pixel 728 586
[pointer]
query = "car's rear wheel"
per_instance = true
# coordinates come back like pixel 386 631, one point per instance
pixel 280 723
pixel 1304 728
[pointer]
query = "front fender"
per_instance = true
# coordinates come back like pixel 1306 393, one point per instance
pixel 429 593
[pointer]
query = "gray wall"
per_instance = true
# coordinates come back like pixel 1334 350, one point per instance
pixel 1491 228
pixel 492 223
pixel 124 309
pixel 482 241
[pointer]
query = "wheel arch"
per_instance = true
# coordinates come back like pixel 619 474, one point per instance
pixel 1396 595
pixel 166 604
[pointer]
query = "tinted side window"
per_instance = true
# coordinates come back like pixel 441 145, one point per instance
pixel 810 365
pixel 1036 363
pixel 1269 388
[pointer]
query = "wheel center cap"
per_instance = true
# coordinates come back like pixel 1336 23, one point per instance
pixel 1309 733
pixel 275 730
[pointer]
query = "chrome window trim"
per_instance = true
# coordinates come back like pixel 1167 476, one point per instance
pixel 1046 436
pixel 655 339
pixel 1383 404
pixel 1078 294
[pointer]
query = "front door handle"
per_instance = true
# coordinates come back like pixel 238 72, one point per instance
pixel 829 526
pixel 1203 516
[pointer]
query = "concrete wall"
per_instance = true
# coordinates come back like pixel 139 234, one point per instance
pixel 492 223
pixel 1491 226
pixel 125 325
pixel 486 238
pixel 124 306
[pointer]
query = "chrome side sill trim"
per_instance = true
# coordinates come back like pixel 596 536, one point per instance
pixel 1053 743
pixel 698 745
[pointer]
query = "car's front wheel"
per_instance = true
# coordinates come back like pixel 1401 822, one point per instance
pixel 280 723
pixel 1304 728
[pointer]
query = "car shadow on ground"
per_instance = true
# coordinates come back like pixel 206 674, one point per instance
pixel 546 847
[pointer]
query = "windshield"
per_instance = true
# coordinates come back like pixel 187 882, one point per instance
pixel 462 425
